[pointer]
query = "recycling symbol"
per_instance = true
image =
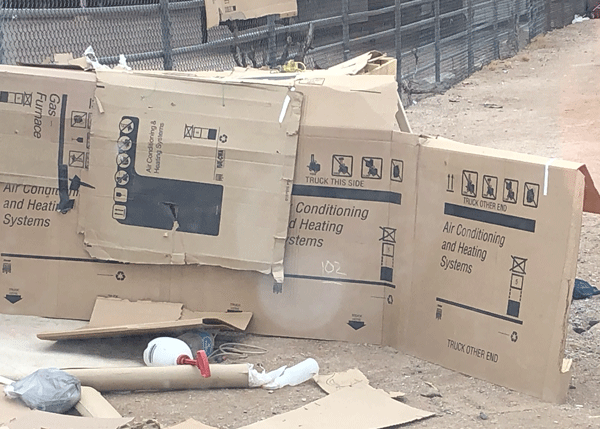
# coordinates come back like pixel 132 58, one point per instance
pixel 120 276
pixel 514 337
pixel 223 138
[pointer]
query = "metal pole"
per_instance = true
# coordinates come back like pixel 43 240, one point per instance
pixel 271 40
pixel 496 42
pixel 398 41
pixel 203 22
pixel 470 53
pixel 438 61
pixel 531 29
pixel 165 21
pixel 2 57
pixel 345 29
pixel 517 26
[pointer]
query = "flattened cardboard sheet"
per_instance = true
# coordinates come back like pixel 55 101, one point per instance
pixel 35 419
pixel 114 317
pixel 356 407
pixel 496 244
pixel 190 172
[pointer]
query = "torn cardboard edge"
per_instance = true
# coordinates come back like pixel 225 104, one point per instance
pixel 113 317
pixel 331 383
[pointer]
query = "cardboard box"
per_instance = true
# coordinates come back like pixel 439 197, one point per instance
pixel 182 181
pixel 351 308
pixel 218 11
pixel 495 243
pixel 392 238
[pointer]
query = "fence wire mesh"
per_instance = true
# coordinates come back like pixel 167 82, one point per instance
pixel 436 42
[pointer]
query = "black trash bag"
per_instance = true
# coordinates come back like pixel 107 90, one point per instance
pixel 47 389
pixel 583 290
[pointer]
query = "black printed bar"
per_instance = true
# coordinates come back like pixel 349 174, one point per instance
pixel 347 194
pixel 479 310
pixel 340 280
pixel 493 218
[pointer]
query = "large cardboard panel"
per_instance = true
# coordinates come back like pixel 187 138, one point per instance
pixel 343 296
pixel 356 407
pixel 218 11
pixel 45 117
pixel 495 249
pixel 190 172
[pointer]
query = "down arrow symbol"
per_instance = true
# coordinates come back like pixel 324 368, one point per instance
pixel 356 325
pixel 13 298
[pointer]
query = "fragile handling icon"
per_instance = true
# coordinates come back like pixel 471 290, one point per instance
pixel 341 165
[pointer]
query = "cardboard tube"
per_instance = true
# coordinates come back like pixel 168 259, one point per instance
pixel 179 377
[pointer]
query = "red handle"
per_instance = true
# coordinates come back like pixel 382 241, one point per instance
pixel 201 362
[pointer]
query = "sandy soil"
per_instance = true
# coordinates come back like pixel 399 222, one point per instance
pixel 550 98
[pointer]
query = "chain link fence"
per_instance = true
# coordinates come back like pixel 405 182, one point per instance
pixel 436 42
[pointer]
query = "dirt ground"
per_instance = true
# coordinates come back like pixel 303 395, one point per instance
pixel 550 98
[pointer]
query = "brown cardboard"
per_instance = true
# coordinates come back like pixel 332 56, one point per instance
pixel 114 317
pixel 356 407
pixel 380 276
pixel 191 424
pixel 35 419
pixel 348 310
pixel 218 11
pixel 46 113
pixel 10 409
pixel 501 235
pixel 93 404
pixel 330 383
pixel 158 155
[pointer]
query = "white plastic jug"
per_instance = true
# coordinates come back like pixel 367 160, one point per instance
pixel 164 351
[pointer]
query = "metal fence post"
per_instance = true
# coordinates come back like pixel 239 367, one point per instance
pixel 2 13
pixel 398 42
pixel 345 29
pixel 203 22
pixel 517 27
pixel 496 41
pixel 531 28
pixel 271 40
pixel 470 53
pixel 436 6
pixel 165 21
